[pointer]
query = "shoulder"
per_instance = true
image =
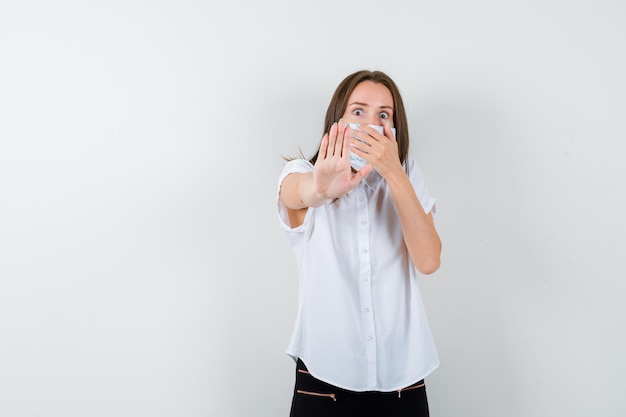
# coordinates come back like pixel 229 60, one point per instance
pixel 413 170
pixel 296 165
pixel 293 166
pixel 419 185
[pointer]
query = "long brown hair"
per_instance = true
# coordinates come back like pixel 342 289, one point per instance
pixel 339 102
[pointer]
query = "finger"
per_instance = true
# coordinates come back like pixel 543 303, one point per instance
pixel 363 172
pixel 360 174
pixel 347 142
pixel 332 139
pixel 370 132
pixel 358 141
pixel 341 131
pixel 323 147
pixel 341 126
pixel 388 132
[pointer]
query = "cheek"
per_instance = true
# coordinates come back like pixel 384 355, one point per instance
pixel 349 117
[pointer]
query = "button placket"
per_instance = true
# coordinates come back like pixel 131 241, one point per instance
pixel 365 283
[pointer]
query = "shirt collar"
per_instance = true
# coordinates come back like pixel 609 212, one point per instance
pixel 372 179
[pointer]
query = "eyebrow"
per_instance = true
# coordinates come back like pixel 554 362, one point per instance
pixel 367 105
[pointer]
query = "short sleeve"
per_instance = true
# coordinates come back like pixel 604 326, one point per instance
pixel 419 185
pixel 293 166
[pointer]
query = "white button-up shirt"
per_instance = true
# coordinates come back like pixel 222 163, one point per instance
pixel 361 323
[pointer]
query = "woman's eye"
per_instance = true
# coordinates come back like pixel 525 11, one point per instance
pixel 384 115
pixel 358 112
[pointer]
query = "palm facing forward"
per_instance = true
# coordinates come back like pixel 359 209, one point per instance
pixel 332 174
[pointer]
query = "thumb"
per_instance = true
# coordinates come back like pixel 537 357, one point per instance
pixel 360 174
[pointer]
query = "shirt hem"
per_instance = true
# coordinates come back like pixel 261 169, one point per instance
pixel 393 388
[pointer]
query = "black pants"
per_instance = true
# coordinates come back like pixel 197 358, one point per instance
pixel 314 398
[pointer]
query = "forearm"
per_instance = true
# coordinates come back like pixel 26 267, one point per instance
pixel 418 228
pixel 298 191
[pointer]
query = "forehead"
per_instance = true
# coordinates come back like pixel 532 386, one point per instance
pixel 374 94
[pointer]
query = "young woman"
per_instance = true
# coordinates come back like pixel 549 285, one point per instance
pixel 361 340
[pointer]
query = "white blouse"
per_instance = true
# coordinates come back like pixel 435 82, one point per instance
pixel 361 323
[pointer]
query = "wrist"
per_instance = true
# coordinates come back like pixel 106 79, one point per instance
pixel 318 199
pixel 316 196
pixel 395 174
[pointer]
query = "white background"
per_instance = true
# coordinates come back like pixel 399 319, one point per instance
pixel 142 269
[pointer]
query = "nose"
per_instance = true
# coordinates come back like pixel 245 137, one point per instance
pixel 372 119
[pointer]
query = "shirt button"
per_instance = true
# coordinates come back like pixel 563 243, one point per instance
pixel 365 279
pixel 363 250
pixel 369 338
pixel 367 310
pixel 361 199
pixel 363 222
